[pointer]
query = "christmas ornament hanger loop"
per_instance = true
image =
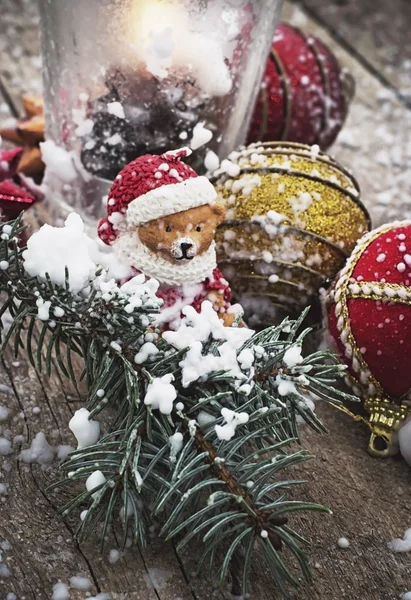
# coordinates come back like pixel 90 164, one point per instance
pixel 382 442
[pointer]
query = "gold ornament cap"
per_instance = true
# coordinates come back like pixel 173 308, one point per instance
pixel 384 421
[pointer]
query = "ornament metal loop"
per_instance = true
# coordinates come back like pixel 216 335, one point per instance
pixel 381 444
pixel 385 419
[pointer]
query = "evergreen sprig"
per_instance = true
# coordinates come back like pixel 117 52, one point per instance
pixel 230 494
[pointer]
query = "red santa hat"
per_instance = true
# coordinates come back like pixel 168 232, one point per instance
pixel 150 187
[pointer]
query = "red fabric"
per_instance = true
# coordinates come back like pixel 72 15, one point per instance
pixel 309 123
pixel 216 283
pixel 14 198
pixel 382 329
pixel 171 294
pixel 138 178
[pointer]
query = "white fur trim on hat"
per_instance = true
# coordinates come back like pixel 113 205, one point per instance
pixel 170 199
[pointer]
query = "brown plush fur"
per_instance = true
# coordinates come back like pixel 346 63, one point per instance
pixel 198 224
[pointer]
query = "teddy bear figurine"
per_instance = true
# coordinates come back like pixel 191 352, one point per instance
pixel 161 221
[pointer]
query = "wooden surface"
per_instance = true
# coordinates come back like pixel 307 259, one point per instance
pixel 370 498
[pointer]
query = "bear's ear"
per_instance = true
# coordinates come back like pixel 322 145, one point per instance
pixel 219 210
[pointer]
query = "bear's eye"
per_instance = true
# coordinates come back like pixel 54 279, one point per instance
pixel 198 228
pixel 168 228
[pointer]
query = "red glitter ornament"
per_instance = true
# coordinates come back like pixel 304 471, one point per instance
pixel 369 318
pixel 304 96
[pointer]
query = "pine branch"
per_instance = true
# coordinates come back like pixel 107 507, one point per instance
pixel 228 491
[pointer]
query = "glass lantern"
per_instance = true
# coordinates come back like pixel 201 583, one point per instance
pixel 127 77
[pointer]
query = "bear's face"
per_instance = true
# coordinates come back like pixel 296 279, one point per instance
pixel 180 237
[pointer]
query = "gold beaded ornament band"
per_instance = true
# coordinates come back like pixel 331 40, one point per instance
pixel 385 415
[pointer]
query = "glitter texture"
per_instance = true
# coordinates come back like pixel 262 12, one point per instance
pixel 292 211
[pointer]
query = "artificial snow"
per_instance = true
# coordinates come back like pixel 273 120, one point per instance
pixel 246 358
pixel 146 351
pixel 292 356
pixel 176 442
pixel 4 413
pixel 85 431
pixel 114 139
pixel 201 136
pixel 116 109
pixel 404 545
pixel 6 389
pixel 172 314
pixel 40 451
pixel 82 584
pixel 43 309
pixel 95 480
pixel 285 386
pixel 4 571
pixel 5 446
pixel 176 445
pixel 157 578
pixel 84 128
pixel 59 163
pixel 204 418
pixel 246 184
pixel 229 168
pixel 211 161
pixel 232 421
pixel 60 592
pixel 161 394
pixel 113 556
pixel 63 450
pixel 197 329
pixel 51 249
pixel 404 440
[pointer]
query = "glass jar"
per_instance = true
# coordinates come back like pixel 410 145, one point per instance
pixel 127 77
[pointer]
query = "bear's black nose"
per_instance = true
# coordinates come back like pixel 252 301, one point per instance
pixel 184 247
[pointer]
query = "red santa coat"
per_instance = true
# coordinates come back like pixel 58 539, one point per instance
pixel 173 295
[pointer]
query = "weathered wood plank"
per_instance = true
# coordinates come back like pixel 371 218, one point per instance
pixel 42 549
pixel 375 31
pixel 20 62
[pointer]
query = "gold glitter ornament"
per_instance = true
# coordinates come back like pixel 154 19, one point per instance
pixel 293 217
